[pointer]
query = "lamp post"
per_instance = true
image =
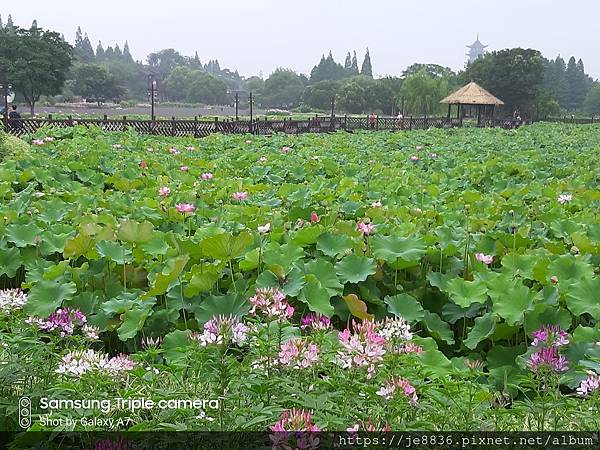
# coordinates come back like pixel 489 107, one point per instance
pixel 332 121
pixel 5 87
pixel 251 111
pixel 152 94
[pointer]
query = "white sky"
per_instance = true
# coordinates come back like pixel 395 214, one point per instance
pixel 261 35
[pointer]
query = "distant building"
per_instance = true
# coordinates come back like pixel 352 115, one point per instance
pixel 476 50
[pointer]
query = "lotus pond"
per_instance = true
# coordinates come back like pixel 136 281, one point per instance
pixel 436 280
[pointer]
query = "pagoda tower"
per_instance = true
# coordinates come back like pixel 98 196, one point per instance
pixel 476 50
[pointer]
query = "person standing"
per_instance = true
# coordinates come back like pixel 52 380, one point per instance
pixel 372 120
pixel 15 119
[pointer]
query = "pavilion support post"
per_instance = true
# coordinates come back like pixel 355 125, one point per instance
pixel 449 109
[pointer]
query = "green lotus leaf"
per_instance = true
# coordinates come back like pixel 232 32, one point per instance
pixel 333 244
pixel 584 297
pixel 465 293
pixel 355 268
pixel 46 296
pixel 23 235
pixel 405 306
pixel 484 327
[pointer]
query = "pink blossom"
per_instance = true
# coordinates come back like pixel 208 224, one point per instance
pixel 376 204
pixel 271 303
pixel 295 430
pixel 433 155
pixel 184 168
pixel 222 330
pixel 363 348
pixel 414 158
pixel 143 164
pixel 286 150
pixel 313 321
pixel 150 342
pixel 174 151
pixel 12 300
pixel 263 159
pixel 164 191
pixel 207 176
pixel 298 354
pixel 185 208
pixel 564 198
pixel 419 148
pixel 314 217
pixel 38 142
pixel 550 335
pixel 370 427
pixel 486 259
pixel 248 141
pixel 239 196
pixel 388 390
pixel 190 148
pixel 48 138
pixel 64 320
pixel 91 332
pixel 548 357
pixel 116 146
pixel 590 385
pixel 411 347
pixel 366 228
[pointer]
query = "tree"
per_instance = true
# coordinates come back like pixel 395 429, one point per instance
pixel 1 24
pixel 95 82
pixel 10 26
pixel 327 69
pixel 555 81
pixel 348 63
pixel 83 48
pixel 516 76
pixel 387 93
pixel 354 67
pixel 195 86
pixel 435 70
pixel 319 95
pixel 422 92
pixel 283 88
pixel 36 62
pixel 592 100
pixel 127 53
pixel 357 95
pixel 577 82
pixel 367 68
pixel 118 53
pixel 99 51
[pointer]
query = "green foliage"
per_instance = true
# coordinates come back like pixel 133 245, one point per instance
pixel 319 95
pixel 592 101
pixel 96 82
pixel 283 88
pixel 195 86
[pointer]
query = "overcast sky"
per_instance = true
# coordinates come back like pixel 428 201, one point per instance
pixel 261 35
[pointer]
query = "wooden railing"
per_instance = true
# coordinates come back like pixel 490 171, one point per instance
pixel 204 127
pixel 573 120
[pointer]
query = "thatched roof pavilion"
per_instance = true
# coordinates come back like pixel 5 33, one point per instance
pixel 473 95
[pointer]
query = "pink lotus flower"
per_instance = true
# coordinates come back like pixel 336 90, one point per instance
pixel 264 229
pixel 48 138
pixel 174 151
pixel 263 159
pixel 185 208
pixel 486 259
pixel 164 191
pixel 184 168
pixel 143 164
pixel 207 176
pixel 190 148
pixel 286 150
pixel 366 228
pixel 433 155
pixel 116 146
pixel 419 148
pixel 376 204
pixel 564 198
pixel 239 196
pixel 38 142
pixel 314 217
pixel 248 141
pixel 414 158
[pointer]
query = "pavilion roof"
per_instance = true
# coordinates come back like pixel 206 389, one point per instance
pixel 472 94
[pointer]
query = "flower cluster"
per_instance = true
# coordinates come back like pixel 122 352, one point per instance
pixel 77 363
pixel 366 228
pixel 222 330
pixel 363 348
pixel 395 329
pixel 590 385
pixel 370 427
pixel 551 335
pixel 389 389
pixel 411 347
pixel 313 321
pixel 298 354
pixel 63 320
pixel 294 430
pixel 12 300
pixel 271 303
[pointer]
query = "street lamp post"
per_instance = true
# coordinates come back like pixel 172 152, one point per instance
pixel 251 110
pixel 6 87
pixel 332 122
pixel 237 105
pixel 152 94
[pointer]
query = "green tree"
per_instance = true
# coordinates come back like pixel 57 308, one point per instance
pixel 367 68
pixel 354 67
pixel 555 81
pixel 99 51
pixel 423 91
pixel 283 88
pixel 578 84
pixel 127 53
pixel 195 86
pixel 93 81
pixel 387 94
pixel 348 64
pixel 592 100
pixel 36 61
pixel 357 95
pixel 327 69
pixel 320 94
pixel 516 76
pixel 10 26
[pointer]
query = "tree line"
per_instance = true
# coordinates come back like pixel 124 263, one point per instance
pixel 40 63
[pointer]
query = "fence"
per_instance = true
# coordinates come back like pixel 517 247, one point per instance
pixel 574 120
pixel 202 128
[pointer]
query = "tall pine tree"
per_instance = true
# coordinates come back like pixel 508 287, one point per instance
pixel 10 26
pixel 354 68
pixel 348 63
pixel 577 84
pixel 126 53
pixel 99 51
pixel 367 68
pixel 118 53
pixel 1 25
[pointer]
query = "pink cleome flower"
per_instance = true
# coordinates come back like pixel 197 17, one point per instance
pixel 298 354
pixel 313 321
pixel 174 151
pixel 550 335
pixel 271 303
pixel 12 300
pixel 389 389
pixel 363 348
pixel 294 430
pixel 63 320
pixel 185 208
pixel 548 357
pixel 415 158
pixel 222 330
pixel 590 385
pixel 263 159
